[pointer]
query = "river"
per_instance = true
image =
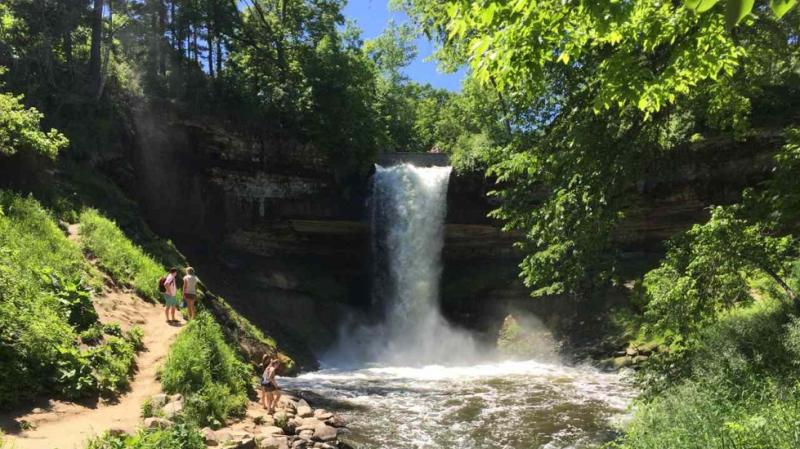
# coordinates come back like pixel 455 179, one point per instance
pixel 519 405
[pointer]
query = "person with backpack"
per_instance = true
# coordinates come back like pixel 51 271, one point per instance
pixel 169 290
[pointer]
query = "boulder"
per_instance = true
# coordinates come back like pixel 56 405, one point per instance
pixel 299 444
pixel 173 409
pixel 324 432
pixel 247 442
pixel 158 400
pixel 273 442
pixel 157 423
pixel 322 414
pixel 209 436
pixel 647 348
pixel 336 421
pixel 271 430
pixel 639 359
pixel 306 434
pixel 631 351
pixel 176 398
pixel 304 411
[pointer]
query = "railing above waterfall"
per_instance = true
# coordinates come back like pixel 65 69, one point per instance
pixel 418 159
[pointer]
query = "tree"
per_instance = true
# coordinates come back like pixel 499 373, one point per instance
pixel 597 94
pixel 20 131
pixel 706 270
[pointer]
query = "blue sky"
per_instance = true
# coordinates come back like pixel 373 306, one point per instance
pixel 372 17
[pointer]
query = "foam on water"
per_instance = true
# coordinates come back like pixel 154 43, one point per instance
pixel 522 404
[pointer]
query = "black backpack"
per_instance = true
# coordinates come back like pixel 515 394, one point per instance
pixel 161 287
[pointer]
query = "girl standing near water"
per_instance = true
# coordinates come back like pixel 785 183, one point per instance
pixel 270 394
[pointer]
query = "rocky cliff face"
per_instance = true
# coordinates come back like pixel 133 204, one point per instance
pixel 286 239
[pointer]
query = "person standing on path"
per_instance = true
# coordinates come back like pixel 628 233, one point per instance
pixel 270 394
pixel 190 291
pixel 170 292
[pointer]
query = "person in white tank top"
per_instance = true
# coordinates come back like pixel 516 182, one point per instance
pixel 190 291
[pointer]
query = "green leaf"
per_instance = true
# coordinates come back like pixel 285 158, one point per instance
pixel 737 10
pixel 781 7
pixel 700 5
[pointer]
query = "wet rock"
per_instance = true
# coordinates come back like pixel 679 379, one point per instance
pixel 157 423
pixel 621 362
pixel 336 421
pixel 324 432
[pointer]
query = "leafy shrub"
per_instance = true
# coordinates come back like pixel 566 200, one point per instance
pixel 147 408
pixel 125 262
pixel 135 337
pixel 207 371
pixel 36 338
pixel 180 436
pixel 113 363
pixel 112 329
pixel 738 388
pixel 76 299
pixel 92 336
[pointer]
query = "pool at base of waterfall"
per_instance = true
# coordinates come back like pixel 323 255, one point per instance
pixel 507 405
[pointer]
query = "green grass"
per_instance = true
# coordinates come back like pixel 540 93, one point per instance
pixel 208 372
pixel 739 388
pixel 127 263
pixel 180 436
pixel 44 306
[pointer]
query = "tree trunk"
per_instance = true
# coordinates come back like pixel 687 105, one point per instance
pixel 790 293
pixel 210 43
pixel 196 48
pixel 68 49
pixel 96 43
pixel 161 37
pixel 219 55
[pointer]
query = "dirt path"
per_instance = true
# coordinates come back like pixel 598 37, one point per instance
pixel 68 425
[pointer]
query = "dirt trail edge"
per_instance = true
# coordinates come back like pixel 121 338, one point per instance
pixel 67 425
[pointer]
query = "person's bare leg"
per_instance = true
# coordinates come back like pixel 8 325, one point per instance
pixel 269 401
pixel 275 400
pixel 191 309
pixel 264 398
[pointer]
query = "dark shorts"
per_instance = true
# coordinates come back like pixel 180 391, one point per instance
pixel 268 386
pixel 189 296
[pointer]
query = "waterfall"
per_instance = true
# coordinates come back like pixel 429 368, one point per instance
pixel 409 205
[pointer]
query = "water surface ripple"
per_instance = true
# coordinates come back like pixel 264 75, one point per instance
pixel 507 405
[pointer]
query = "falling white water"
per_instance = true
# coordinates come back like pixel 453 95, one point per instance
pixel 409 205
